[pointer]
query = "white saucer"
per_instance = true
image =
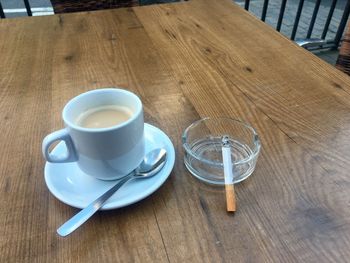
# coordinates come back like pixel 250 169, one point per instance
pixel 75 188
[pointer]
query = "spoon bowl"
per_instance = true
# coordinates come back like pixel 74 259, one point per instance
pixel 151 164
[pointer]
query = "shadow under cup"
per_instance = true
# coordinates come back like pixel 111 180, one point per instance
pixel 106 153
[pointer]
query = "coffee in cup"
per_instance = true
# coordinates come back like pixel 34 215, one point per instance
pixel 104 116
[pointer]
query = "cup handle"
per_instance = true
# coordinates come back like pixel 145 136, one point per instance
pixel 60 135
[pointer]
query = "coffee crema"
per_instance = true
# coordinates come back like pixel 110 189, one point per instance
pixel 104 116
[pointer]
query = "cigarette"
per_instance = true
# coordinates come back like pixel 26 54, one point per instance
pixel 229 187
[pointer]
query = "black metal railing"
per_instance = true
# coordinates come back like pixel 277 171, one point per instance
pixel 26 4
pixel 329 18
pixel 307 41
pixel 264 10
pixel 313 18
pixel 280 17
pixel 2 15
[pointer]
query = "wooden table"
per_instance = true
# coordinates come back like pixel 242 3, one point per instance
pixel 186 61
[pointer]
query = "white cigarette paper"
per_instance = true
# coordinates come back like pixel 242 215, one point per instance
pixel 226 157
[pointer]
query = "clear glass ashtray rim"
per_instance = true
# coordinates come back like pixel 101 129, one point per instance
pixel 256 142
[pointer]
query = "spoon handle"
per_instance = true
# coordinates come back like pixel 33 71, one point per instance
pixel 81 217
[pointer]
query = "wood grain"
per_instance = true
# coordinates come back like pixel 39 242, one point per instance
pixel 233 67
pixel 186 61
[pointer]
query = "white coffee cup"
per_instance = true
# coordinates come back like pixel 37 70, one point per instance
pixel 104 153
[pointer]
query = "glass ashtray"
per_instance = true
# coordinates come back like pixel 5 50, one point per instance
pixel 203 142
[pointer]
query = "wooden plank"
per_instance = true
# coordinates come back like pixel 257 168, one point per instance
pixel 48 60
pixel 222 76
pixel 293 81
